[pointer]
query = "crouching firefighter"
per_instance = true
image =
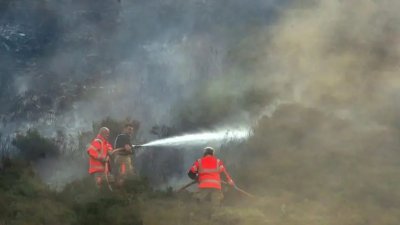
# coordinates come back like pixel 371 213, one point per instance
pixel 99 152
pixel 206 171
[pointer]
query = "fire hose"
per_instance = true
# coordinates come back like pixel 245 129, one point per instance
pixel 106 173
pixel 234 186
pixel 186 186
pixel 107 164
pixel 243 191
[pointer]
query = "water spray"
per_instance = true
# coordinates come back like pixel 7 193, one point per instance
pixel 201 138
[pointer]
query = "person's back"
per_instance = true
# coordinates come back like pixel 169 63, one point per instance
pixel 209 168
pixel 206 171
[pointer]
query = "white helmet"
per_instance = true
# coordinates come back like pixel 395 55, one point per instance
pixel 209 151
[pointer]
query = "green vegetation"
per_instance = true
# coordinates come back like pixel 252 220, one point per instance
pixel 26 200
pixel 317 170
pixel 312 168
pixel 33 146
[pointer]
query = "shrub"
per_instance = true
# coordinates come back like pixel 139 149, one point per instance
pixel 33 146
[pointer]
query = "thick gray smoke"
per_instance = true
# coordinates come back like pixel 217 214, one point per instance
pixel 333 58
pixel 318 80
pixel 117 59
pixel 68 63
pixel 327 149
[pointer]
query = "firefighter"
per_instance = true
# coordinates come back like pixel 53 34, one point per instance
pixel 99 151
pixel 123 156
pixel 206 171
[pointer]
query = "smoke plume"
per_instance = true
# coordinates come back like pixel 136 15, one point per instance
pixel 316 80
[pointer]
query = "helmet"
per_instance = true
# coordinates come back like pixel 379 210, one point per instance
pixel 209 151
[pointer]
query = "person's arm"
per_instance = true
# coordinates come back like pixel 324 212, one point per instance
pixel 110 149
pixel 228 177
pixel 123 142
pixel 193 171
pixel 128 148
pixel 94 151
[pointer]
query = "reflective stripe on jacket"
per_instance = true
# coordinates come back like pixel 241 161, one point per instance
pixel 97 152
pixel 209 169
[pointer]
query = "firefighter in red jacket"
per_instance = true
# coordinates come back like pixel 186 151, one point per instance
pixel 99 152
pixel 206 171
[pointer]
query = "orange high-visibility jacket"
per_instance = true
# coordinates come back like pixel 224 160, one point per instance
pixel 209 168
pixel 97 152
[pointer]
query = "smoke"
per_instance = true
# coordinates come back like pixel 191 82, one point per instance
pixel 340 61
pixel 121 59
pixel 116 59
pixel 316 80
pixel 329 134
pixel 69 63
pixel 201 65
pixel 317 54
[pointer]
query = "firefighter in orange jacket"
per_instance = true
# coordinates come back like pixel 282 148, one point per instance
pixel 206 171
pixel 99 151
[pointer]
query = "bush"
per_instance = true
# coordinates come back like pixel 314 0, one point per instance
pixel 33 146
pixel 110 209
pixel 26 199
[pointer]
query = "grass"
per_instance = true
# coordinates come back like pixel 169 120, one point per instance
pixel 299 179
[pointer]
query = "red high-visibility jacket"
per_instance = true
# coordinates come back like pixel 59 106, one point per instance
pixel 208 169
pixel 98 151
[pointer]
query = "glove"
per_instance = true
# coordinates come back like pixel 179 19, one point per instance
pixel 193 176
pixel 230 182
